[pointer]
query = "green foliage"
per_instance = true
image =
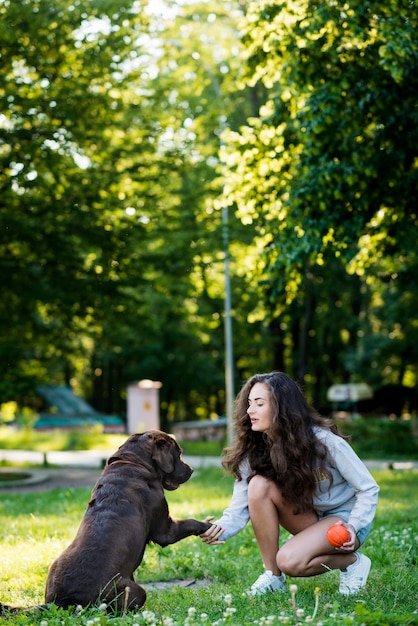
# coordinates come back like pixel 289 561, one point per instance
pixel 382 438
pixel 110 246
pixel 63 216
pixel 24 417
pixel 203 448
pixel 8 412
pixel 113 225
pixel 326 171
pixel 338 116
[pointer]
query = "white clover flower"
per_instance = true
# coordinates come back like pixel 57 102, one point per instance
pixel 300 612
pixel 293 588
pixel 191 611
pixel 228 599
pixel 229 611
pixel 43 622
pixel 270 619
pixel 203 616
pixel 149 617
pixel 167 621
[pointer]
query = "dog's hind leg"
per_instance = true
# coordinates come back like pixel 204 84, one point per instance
pixel 123 594
pixel 135 597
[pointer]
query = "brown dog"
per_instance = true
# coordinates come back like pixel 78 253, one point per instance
pixel 127 510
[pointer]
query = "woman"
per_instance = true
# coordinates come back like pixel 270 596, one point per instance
pixel 294 470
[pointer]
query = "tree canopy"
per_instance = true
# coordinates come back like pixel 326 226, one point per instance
pixel 327 173
pixel 126 129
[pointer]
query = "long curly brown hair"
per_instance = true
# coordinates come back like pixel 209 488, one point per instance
pixel 289 451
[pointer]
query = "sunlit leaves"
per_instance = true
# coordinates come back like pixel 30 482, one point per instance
pixel 63 194
pixel 109 144
pixel 328 170
pixel 336 138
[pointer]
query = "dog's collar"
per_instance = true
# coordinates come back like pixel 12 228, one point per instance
pixel 124 462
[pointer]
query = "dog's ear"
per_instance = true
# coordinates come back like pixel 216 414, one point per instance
pixel 162 454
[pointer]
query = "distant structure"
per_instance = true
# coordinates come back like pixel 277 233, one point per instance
pixel 201 430
pixel 143 406
pixel 67 410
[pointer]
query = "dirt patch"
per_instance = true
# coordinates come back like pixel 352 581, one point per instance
pixel 191 583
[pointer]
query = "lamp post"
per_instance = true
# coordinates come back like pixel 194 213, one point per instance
pixel 229 352
pixel 229 344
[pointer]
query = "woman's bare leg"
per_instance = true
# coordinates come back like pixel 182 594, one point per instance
pixel 308 552
pixel 268 512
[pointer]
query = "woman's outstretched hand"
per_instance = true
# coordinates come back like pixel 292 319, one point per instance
pixel 212 535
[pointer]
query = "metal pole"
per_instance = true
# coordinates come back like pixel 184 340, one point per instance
pixel 229 353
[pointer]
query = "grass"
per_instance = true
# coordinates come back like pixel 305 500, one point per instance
pixel 59 439
pixel 36 527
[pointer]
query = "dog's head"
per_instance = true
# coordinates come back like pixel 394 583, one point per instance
pixel 156 448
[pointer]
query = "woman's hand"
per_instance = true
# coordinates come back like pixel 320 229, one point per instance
pixel 353 543
pixel 211 536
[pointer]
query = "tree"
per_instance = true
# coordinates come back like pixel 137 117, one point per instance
pixel 329 167
pixel 194 91
pixel 111 242
pixel 72 128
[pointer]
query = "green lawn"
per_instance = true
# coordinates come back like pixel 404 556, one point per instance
pixel 34 529
pixel 59 439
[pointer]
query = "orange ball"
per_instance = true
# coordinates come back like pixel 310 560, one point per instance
pixel 337 535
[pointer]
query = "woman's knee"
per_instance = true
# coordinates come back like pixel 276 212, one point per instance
pixel 258 487
pixel 289 562
pixel 261 488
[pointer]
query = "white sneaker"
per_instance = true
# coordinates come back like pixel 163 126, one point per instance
pixel 354 578
pixel 268 582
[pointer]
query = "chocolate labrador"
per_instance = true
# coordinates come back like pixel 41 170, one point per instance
pixel 127 511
